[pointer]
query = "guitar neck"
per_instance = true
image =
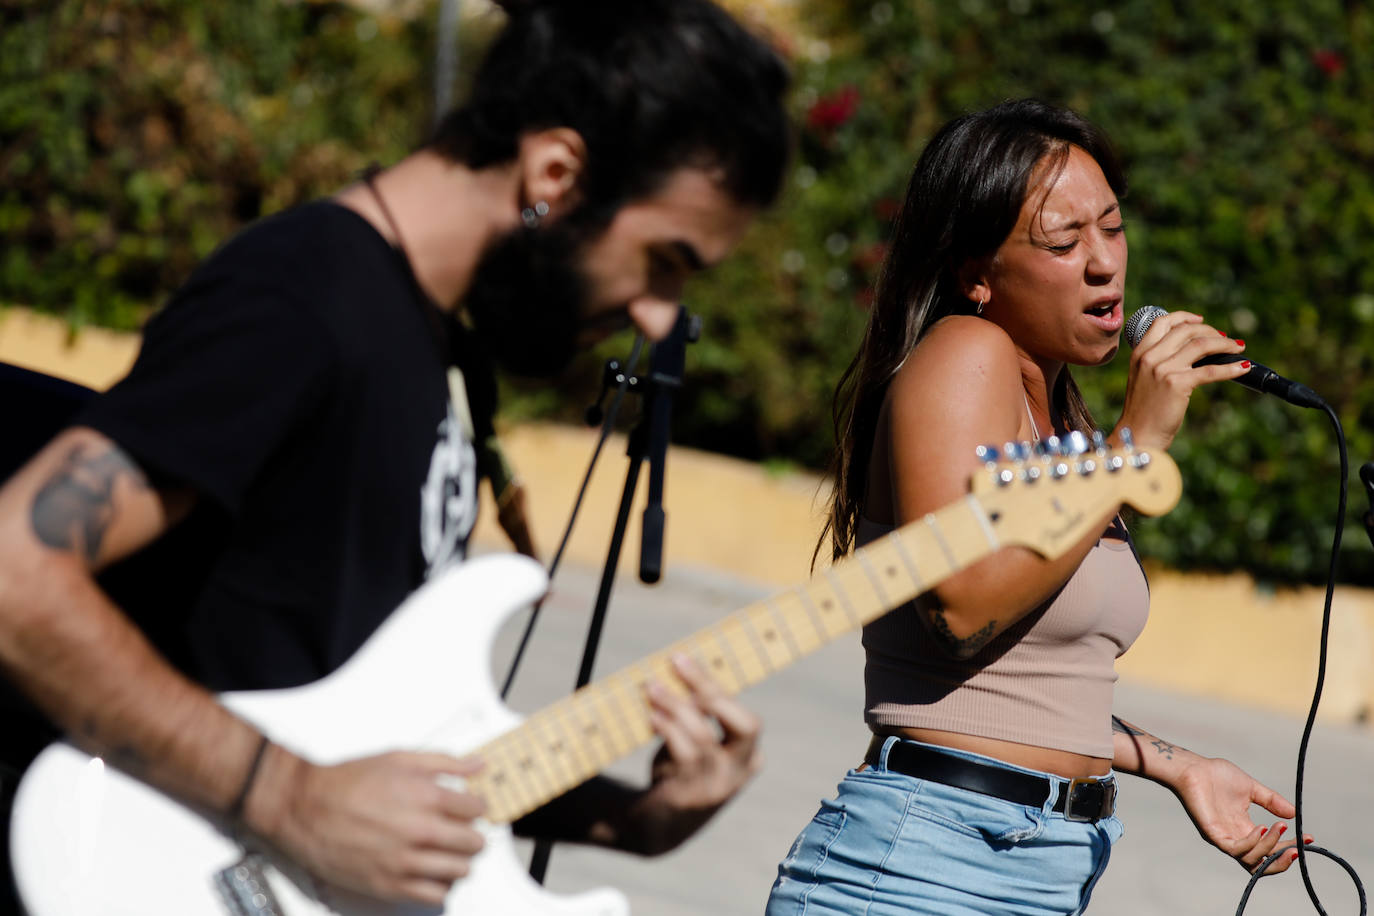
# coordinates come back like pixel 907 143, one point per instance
pixel 567 743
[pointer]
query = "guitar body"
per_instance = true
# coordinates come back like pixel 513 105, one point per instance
pixel 88 839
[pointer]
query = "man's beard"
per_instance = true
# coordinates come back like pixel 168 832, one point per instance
pixel 527 298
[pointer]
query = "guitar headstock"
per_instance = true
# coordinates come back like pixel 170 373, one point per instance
pixel 1049 496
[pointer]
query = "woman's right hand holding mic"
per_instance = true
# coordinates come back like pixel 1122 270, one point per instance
pixel 1163 375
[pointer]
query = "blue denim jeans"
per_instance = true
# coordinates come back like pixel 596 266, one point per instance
pixel 891 844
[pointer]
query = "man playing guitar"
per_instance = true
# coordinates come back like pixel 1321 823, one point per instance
pixel 287 459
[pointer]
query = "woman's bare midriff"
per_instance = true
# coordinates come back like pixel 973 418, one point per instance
pixel 1044 759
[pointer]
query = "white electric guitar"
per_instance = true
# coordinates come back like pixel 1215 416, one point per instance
pixel 88 839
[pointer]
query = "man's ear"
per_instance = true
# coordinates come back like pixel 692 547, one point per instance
pixel 551 164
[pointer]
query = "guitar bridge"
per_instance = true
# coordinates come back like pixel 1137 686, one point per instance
pixel 244 890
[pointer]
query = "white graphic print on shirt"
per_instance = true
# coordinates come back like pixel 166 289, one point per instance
pixel 448 499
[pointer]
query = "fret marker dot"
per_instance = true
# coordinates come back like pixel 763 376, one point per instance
pixel 891 571
pixel 827 605
pixel 526 763
pixel 717 662
pixel 769 635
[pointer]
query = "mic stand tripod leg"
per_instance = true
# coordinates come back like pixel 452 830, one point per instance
pixel 649 437
pixel 543 848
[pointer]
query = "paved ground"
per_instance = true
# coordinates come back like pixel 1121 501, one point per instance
pixel 813 733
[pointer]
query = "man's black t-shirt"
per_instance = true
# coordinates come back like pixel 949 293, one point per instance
pixel 298 384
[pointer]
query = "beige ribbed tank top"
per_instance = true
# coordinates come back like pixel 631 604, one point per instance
pixel 1047 681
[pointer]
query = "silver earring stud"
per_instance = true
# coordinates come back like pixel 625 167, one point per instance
pixel 532 215
pixel 981 303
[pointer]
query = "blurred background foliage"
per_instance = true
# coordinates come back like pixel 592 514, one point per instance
pixel 135 135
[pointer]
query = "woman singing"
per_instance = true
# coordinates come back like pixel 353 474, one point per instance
pixel 989 787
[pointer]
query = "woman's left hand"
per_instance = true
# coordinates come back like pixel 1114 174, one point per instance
pixel 1217 795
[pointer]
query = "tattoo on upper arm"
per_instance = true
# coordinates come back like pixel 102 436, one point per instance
pixel 965 646
pixel 74 508
pixel 1125 728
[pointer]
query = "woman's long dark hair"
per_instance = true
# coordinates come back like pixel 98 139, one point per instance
pixel 962 202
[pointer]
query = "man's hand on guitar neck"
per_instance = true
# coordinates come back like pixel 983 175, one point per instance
pixel 384 826
pixel 698 769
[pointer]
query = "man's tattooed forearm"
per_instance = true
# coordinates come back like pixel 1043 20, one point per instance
pixel 75 506
pixel 1125 728
pixel 961 647
pixel 124 756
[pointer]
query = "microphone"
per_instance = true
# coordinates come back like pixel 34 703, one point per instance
pixel 1259 378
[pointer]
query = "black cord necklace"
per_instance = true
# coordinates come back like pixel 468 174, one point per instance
pixel 434 316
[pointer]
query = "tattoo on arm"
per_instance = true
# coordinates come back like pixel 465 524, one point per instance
pixel 1125 728
pixel 961 647
pixel 1164 748
pixel 74 508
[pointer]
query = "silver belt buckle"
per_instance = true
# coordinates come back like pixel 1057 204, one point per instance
pixel 1106 786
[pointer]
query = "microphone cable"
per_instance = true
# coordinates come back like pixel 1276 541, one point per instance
pixel 1303 850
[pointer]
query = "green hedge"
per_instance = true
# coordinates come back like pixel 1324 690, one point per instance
pixel 1248 139
pixel 134 136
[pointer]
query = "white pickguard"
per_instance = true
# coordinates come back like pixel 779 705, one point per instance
pixel 86 839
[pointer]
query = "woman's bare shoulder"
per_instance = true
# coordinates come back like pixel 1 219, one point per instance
pixel 958 352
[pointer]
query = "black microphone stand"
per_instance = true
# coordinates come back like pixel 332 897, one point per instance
pixel 648 439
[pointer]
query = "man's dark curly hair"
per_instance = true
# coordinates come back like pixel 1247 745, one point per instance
pixel 650 85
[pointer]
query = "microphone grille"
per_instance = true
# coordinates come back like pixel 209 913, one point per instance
pixel 1140 322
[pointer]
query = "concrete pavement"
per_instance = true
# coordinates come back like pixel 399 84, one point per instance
pixel 813 732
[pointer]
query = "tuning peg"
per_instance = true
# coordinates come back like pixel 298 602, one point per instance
pixel 987 454
pixel 1099 442
pixel 1017 451
pixel 1053 446
pixel 1134 458
pixel 1076 443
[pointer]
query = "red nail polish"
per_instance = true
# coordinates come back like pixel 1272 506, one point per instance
pixel 1222 333
pixel 1239 342
pixel 1245 364
pixel 1308 841
pixel 1263 831
pixel 1293 856
pixel 1282 828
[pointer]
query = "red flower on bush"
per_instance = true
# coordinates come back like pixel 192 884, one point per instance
pixel 887 208
pixel 834 110
pixel 870 256
pixel 1328 61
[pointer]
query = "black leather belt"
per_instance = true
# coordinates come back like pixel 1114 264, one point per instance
pixel 1086 799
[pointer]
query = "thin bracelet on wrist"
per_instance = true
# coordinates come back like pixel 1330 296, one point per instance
pixel 235 811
